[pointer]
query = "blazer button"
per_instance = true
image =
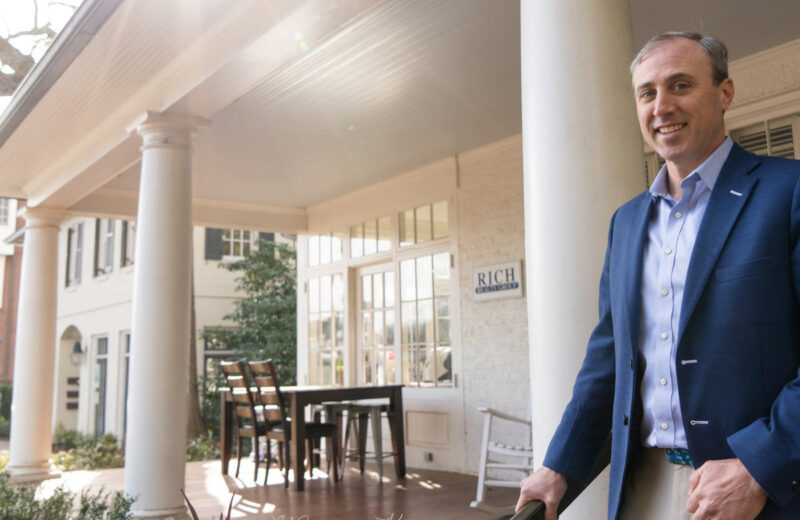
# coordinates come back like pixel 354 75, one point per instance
pixel 795 485
pixel 625 422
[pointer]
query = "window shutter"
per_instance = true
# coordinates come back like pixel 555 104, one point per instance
pixel 123 244
pixel 70 231
pixel 775 137
pixel 266 237
pixel 213 244
pixel 97 239
pixel 79 253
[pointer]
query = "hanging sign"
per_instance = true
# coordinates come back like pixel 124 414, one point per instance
pixel 497 281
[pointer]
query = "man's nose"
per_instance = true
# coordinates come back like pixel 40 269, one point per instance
pixel 663 104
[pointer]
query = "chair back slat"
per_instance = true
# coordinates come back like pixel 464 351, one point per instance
pixel 268 390
pixel 244 403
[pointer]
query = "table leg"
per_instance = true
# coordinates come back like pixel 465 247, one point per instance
pixel 396 425
pixel 298 441
pixel 225 430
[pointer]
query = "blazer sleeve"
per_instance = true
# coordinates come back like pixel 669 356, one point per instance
pixel 586 420
pixel 770 447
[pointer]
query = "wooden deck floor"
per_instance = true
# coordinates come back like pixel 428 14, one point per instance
pixel 422 495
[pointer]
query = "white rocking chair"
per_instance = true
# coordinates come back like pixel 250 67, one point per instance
pixel 511 460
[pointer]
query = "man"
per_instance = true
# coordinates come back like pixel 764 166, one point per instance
pixel 693 365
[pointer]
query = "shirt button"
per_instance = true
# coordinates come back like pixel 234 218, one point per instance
pixel 664 335
pixel 663 381
pixel 668 251
pixel 678 214
pixel 664 292
pixel 664 426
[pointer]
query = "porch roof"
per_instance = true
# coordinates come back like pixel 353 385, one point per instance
pixel 308 101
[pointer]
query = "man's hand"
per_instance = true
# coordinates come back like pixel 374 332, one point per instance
pixel 546 485
pixel 724 489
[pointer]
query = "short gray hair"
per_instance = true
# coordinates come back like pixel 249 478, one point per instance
pixel 714 48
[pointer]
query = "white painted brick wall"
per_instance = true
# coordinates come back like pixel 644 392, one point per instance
pixel 494 334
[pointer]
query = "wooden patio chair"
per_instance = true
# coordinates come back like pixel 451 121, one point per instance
pixel 502 465
pixel 274 407
pixel 249 420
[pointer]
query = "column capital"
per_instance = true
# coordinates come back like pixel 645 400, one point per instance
pixel 42 217
pixel 166 129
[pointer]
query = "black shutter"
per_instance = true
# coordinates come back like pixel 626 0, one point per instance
pixel 266 237
pixel 213 244
pixel 97 239
pixel 70 231
pixel 123 244
pixel 79 253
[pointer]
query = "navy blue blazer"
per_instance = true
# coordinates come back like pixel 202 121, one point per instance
pixel 738 349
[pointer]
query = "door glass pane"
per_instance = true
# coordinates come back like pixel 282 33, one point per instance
pixel 389 327
pixel 408 289
pixel 336 247
pixel 366 291
pixel 424 277
pixel 327 367
pixel 388 288
pixel 426 363
pixel 444 372
pixel 339 362
pixel 380 374
pixel 377 289
pixel 313 295
pixel 409 316
pixel 325 293
pixel 425 321
pixel 423 223
pixel 366 329
pixel 440 219
pixel 338 318
pixel 390 367
pixel 366 364
pixel 377 328
pixel 338 292
pixel 441 274
pixel 313 330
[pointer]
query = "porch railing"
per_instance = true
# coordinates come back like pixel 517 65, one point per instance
pixel 534 510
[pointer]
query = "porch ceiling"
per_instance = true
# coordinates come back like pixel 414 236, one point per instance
pixel 308 100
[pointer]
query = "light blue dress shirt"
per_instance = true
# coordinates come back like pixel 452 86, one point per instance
pixel 670 240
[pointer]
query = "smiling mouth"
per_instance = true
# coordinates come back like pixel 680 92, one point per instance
pixel 670 129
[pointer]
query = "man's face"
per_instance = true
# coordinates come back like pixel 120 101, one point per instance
pixel 680 109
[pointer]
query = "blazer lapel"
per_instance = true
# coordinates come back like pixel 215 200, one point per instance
pixel 634 246
pixel 728 197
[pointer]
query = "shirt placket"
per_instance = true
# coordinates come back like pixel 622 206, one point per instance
pixel 672 221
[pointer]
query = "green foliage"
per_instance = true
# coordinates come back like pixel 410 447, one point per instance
pixel 5 410
pixel 18 502
pixel 202 447
pixel 266 315
pixel 79 451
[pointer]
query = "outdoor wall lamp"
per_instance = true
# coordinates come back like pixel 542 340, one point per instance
pixel 76 356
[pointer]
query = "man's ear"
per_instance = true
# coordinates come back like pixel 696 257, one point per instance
pixel 726 92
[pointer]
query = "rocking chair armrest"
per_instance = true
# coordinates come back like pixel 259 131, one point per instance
pixel 503 415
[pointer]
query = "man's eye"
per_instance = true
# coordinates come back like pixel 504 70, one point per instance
pixel 646 94
pixel 681 86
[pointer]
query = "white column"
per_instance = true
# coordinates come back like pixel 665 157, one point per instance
pixel 155 455
pixel 582 156
pixel 34 354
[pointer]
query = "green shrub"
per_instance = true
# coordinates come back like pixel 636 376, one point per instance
pixel 202 447
pixel 79 451
pixel 20 503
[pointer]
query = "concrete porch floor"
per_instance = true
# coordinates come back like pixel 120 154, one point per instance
pixel 422 495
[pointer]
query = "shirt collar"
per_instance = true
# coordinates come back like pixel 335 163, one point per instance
pixel 708 171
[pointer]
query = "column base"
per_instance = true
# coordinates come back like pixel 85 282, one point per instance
pixel 32 474
pixel 176 513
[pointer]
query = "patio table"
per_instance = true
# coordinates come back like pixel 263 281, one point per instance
pixel 301 396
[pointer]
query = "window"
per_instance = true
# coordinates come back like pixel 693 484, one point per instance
pixel 237 243
pixel 425 320
pixel 324 249
pixel 423 224
pixel 370 237
pixel 377 326
pixel 5 212
pixel 104 246
pixel 214 351
pixel 128 243
pixel 74 254
pixel 99 383
pixel 326 330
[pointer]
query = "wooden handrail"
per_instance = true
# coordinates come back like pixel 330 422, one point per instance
pixel 534 510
